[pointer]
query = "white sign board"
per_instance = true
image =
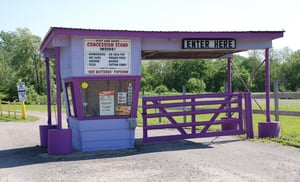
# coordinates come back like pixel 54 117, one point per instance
pixel 21 86
pixel 122 97
pixel 107 103
pixel 107 56
pixel 21 91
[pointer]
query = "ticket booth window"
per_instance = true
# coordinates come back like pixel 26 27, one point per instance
pixel 106 97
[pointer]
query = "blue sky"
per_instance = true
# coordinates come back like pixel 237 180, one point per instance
pixel 163 15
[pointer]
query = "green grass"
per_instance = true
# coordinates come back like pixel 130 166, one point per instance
pixel 289 129
pixel 42 108
pixel 6 118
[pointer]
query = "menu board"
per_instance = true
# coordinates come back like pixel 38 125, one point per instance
pixel 107 56
pixel 106 101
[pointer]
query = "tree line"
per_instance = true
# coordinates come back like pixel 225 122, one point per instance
pixel 20 59
pixel 248 72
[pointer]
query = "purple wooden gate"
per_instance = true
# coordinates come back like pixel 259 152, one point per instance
pixel 193 116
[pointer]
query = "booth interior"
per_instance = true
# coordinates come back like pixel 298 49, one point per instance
pixel 99 72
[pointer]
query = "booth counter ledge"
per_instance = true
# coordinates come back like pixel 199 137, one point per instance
pixel 268 129
pixel 44 134
pixel 59 141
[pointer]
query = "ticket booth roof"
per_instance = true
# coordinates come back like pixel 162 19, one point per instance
pixel 55 32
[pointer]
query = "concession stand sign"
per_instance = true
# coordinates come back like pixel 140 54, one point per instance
pixel 107 56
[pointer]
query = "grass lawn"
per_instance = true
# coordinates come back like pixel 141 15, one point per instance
pixel 6 118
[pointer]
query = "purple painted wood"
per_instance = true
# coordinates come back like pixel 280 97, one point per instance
pixel 78 102
pixel 193 109
pixel 267 73
pixel 167 111
pixel 55 31
pixel 217 111
pixel 58 81
pixel 48 85
pixel 163 111
pixel 198 96
pixel 202 123
pixel 222 107
pixel 136 97
pixel 197 135
pixel 248 115
pixel 195 103
pixel 229 79
pixel 145 131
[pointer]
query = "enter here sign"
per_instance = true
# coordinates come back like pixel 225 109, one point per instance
pixel 208 44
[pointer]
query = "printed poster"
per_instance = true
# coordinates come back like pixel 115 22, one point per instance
pixel 107 56
pixel 107 103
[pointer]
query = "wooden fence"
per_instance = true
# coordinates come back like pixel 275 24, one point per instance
pixel 9 108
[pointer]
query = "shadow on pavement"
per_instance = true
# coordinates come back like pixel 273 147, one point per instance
pixel 35 155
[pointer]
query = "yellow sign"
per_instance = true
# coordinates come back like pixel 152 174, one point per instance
pixel 84 85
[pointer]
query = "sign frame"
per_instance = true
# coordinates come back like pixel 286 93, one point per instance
pixel 207 43
pixel 106 56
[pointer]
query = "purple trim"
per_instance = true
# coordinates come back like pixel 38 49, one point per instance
pixel 99 77
pixel 179 125
pixel 78 102
pixel 213 95
pixel 193 109
pixel 229 78
pixel 59 141
pixel 48 85
pixel 54 31
pixel 248 115
pixel 145 125
pixel 73 96
pixel 197 135
pixel 268 129
pixel 135 97
pixel 58 86
pixel 267 75
pixel 235 99
pixel 229 81
pixel 44 134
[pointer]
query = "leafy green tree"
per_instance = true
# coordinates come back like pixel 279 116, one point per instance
pixel 218 72
pixel 20 59
pixel 195 85
pixel 186 69
pixel 291 72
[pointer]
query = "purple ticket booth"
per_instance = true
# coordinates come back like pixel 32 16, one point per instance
pixel 100 73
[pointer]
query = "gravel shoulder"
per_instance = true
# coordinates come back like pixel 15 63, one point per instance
pixel 209 159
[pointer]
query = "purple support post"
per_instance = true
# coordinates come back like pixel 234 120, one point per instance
pixel 267 75
pixel 268 128
pixel 229 79
pixel 44 128
pixel 229 82
pixel 248 115
pixel 58 96
pixel 59 140
pixel 48 91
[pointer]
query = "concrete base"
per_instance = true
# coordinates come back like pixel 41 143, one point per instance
pixel 268 129
pixel 59 141
pixel 44 133
pixel 229 125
